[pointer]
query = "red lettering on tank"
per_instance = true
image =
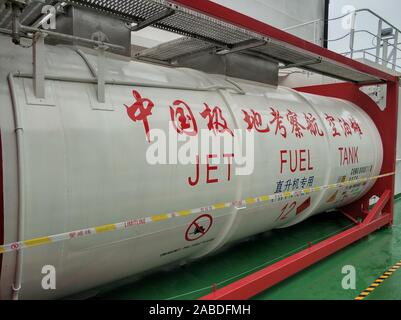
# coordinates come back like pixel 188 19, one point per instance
pixel 283 160
pixel 229 156
pixel 302 160
pixel 255 122
pixel 286 210
pixel 183 119
pixel 310 168
pixel 295 161
pixel 278 121
pixel 348 156
pixel 210 168
pixel 331 120
pixel 355 126
pixel 196 181
pixel 216 121
pixel 205 172
pixel 140 110
pixel 297 128
pixel 345 126
pixel 312 125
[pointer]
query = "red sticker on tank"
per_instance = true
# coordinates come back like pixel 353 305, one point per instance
pixel 199 227
pixel 304 206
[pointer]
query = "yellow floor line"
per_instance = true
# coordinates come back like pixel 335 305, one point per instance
pixel 387 274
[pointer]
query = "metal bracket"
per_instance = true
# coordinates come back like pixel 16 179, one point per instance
pixel 101 73
pixel 301 64
pixel 153 19
pixel 38 56
pixel 242 46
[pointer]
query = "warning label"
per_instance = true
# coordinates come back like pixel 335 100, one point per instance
pixel 305 205
pixel 199 227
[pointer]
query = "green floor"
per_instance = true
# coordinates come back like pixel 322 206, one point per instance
pixel 370 257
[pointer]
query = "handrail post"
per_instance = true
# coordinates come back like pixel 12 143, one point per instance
pixel 352 34
pixel 379 39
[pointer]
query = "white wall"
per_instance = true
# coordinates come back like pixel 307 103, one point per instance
pixel 283 14
pixel 279 13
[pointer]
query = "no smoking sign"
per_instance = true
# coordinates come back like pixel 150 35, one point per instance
pixel 199 227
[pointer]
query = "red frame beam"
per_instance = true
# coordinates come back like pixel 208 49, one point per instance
pixel 379 206
pixel 386 122
pixel 227 15
pixel 258 282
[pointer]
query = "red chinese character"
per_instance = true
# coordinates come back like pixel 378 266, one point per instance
pixel 217 123
pixel 183 119
pixel 255 121
pixel 346 127
pixel 296 126
pixel 355 126
pixel 332 124
pixel 140 110
pixel 279 122
pixel 312 125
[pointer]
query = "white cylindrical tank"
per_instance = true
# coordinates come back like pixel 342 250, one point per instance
pixel 87 164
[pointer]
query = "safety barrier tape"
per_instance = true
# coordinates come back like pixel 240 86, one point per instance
pixel 15 246
pixel 378 281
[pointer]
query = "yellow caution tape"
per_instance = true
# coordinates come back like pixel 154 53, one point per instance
pixel 35 242
pixel 105 228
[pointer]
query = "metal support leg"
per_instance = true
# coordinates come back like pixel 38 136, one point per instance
pixel 352 35
pixel 16 12
pixel 379 40
pixel 395 50
pixel 385 53
pixel 101 73
pixel 38 48
pixel 153 19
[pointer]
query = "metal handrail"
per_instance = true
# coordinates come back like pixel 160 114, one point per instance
pixel 379 17
pixel 343 16
pixel 374 56
pixel 303 24
pixel 380 47
pixel 357 11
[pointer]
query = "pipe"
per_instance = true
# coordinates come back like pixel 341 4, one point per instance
pixel 131 83
pixel 9 32
pixel 15 25
pixel 70 37
pixel 87 62
pixel 16 287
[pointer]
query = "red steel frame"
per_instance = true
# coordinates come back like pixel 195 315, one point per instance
pixel 386 121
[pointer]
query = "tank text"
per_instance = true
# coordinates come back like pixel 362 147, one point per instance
pixel 211 169
pixel 295 160
pixel 348 156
